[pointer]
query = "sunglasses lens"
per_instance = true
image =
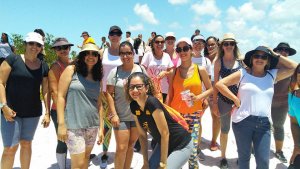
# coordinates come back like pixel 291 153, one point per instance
pixel 125 53
pixel 115 34
pixel 178 50
pixel 158 42
pixel 186 48
pixel 263 57
pixel 138 87
pixel 34 43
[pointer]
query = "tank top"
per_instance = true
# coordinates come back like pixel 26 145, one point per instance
pixel 194 84
pixel 61 69
pixel 224 72
pixel 109 62
pixel 81 106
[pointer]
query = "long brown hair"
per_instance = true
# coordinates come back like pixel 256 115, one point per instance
pixel 293 84
pixel 236 51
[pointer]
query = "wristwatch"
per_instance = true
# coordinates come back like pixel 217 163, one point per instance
pixel 162 164
pixel 2 105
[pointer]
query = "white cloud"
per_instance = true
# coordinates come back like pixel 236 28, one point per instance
pixel 285 11
pixel 175 25
pixel 137 27
pixel 213 26
pixel 246 11
pixel 177 2
pixel 207 7
pixel 145 13
pixel 263 4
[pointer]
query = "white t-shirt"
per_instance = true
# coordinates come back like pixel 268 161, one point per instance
pixel 136 56
pixel 203 61
pixel 255 94
pixel 109 62
pixel 154 67
pixel 5 50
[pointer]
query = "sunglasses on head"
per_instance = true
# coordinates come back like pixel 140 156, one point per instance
pixel 59 48
pixel 34 43
pixel 137 86
pixel 115 34
pixel 184 49
pixel 125 53
pixel 93 53
pixel 263 57
pixel 159 42
pixel 229 44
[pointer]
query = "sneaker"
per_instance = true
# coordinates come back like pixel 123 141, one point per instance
pixel 224 164
pixel 281 157
pixel 213 146
pixel 200 155
pixel 92 156
pixel 103 163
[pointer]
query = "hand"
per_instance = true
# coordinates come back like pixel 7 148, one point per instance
pixel 62 133
pixel 215 109
pixel 8 114
pixel 205 104
pixel 46 120
pixel 100 137
pixel 237 102
pixel 115 121
pixel 162 74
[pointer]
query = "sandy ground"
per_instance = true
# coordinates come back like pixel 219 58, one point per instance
pixel 44 145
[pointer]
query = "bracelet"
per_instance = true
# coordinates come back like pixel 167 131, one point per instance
pixel 111 116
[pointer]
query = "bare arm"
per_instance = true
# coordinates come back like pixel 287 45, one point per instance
pixel 53 77
pixel 115 121
pixel 63 87
pixel 217 68
pixel 230 80
pixel 46 97
pixel 101 117
pixel 143 141
pixel 171 90
pixel 5 70
pixel 161 123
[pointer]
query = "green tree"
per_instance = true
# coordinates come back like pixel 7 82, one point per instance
pixel 20 47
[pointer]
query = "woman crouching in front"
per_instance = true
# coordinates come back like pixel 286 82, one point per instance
pixel 174 142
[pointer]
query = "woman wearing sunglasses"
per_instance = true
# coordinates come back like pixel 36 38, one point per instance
pixel 251 114
pixel 79 106
pixel 124 127
pixel 189 76
pixel 20 79
pixel 158 65
pixel 62 48
pixel 110 60
pixel 174 142
pixel 227 63
pixel 211 52
pixel 280 103
pixel 294 107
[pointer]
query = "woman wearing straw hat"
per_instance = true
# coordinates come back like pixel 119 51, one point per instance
pixel 62 47
pixel 20 79
pixel 227 63
pixel 79 106
pixel 251 114
pixel 280 103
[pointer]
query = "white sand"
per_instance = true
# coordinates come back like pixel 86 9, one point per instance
pixel 44 145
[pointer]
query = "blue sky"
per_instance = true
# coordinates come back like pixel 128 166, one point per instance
pixel 254 22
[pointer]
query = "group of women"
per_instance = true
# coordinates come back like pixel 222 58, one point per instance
pixel 164 93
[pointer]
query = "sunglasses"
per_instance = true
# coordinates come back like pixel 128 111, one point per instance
pixel 198 41
pixel 137 86
pixel 263 57
pixel 59 48
pixel 211 45
pixel 93 53
pixel 229 44
pixel 170 38
pixel 283 50
pixel 115 34
pixel 34 43
pixel 125 53
pixel 184 49
pixel 159 42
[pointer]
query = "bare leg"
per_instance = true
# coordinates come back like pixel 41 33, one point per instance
pixel 25 154
pixel 8 157
pixel 223 141
pixel 133 138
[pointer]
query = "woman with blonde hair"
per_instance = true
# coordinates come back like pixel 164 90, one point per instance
pixel 227 63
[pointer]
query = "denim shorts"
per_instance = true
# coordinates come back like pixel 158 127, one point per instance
pixel 79 139
pixel 125 125
pixel 20 129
